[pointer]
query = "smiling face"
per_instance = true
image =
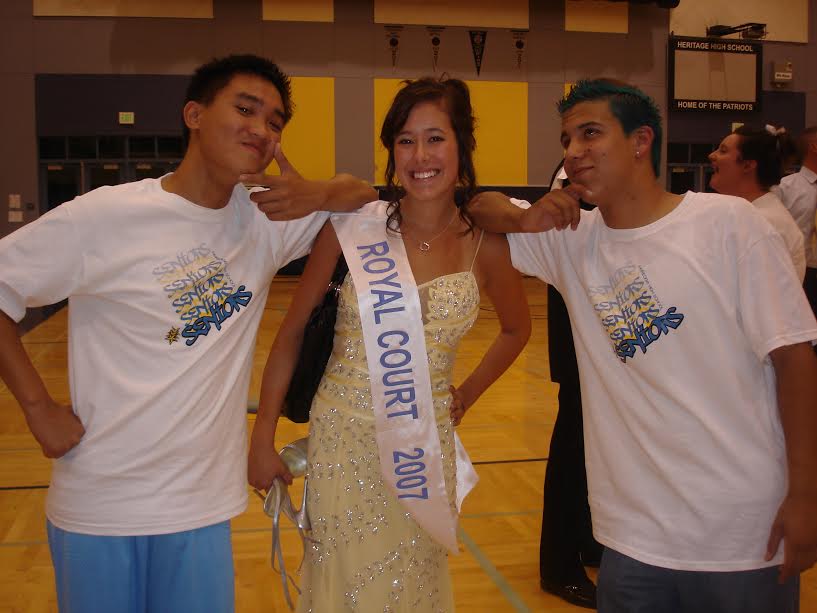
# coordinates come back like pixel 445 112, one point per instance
pixel 729 170
pixel 598 154
pixel 425 153
pixel 237 132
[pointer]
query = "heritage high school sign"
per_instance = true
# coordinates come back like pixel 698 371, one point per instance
pixel 707 74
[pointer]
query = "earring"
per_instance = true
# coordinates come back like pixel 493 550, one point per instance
pixel 638 154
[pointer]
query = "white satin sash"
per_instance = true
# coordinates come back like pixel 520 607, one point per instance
pixel 407 438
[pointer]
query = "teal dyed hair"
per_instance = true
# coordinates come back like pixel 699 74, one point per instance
pixel 632 107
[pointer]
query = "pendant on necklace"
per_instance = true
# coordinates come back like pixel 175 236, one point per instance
pixel 424 246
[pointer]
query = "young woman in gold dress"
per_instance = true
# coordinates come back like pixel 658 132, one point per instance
pixel 369 553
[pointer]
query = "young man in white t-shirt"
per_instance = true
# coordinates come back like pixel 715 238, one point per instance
pixel 747 164
pixel 167 281
pixel 698 380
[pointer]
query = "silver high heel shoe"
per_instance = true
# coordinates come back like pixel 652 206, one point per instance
pixel 278 501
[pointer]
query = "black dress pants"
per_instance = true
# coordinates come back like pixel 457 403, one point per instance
pixel 566 529
pixel 810 287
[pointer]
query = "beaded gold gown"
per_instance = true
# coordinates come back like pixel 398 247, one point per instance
pixel 368 554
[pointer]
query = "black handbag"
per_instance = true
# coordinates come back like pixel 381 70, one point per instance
pixel 319 335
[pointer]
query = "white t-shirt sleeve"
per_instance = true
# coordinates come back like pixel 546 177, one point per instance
pixel 772 306
pixel 530 253
pixel 42 263
pixel 297 236
pixel 780 190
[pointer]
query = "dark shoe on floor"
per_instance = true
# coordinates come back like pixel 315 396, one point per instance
pixel 581 592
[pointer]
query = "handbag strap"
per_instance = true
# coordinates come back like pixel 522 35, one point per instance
pixel 341 269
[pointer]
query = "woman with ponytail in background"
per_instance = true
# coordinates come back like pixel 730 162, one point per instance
pixel 748 163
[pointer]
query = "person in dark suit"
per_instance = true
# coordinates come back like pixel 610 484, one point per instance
pixel 567 542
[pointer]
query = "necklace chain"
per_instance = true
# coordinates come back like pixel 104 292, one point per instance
pixel 426 245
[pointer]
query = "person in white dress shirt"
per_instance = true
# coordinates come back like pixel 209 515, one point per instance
pixel 798 193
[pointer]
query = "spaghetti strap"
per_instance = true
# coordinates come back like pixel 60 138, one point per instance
pixel 476 253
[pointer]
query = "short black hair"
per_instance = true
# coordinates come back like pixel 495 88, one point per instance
pixel 210 78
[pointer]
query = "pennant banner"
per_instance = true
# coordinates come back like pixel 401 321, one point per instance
pixel 393 38
pixel 519 39
pixel 478 46
pixel 435 33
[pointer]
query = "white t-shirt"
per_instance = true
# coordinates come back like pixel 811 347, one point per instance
pixel 673 324
pixel 165 298
pixel 798 193
pixel 775 213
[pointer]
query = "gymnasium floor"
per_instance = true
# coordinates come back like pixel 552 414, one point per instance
pixel 506 433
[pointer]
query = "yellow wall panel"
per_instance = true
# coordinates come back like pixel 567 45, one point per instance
pixel 298 10
pixel 309 138
pixel 596 16
pixel 480 13
pixel 201 9
pixel 501 109
pixel 502 132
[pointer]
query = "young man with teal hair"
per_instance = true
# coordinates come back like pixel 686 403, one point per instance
pixel 699 385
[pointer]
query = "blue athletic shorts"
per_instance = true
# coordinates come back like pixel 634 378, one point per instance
pixel 182 572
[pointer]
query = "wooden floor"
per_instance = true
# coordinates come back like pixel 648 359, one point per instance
pixel 506 433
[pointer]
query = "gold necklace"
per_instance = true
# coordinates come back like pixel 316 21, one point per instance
pixel 426 245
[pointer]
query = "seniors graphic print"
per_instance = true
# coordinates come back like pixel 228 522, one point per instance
pixel 201 292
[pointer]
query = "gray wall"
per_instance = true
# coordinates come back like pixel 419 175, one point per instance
pixel 352 49
pixel 18 154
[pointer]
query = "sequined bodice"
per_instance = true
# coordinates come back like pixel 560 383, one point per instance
pixel 449 305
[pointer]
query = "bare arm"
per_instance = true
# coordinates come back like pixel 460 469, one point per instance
pixel 290 196
pixel 264 463
pixel 558 209
pixel 503 285
pixel 55 426
pixel 796 371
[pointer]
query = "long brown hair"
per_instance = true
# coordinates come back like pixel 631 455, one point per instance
pixel 456 101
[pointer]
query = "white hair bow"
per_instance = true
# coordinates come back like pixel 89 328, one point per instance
pixel 775 131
